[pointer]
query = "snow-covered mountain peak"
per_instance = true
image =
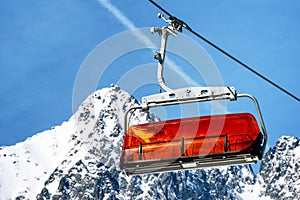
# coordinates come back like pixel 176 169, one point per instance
pixel 27 165
pixel 80 160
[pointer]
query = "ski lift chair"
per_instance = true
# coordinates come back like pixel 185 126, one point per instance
pixel 190 143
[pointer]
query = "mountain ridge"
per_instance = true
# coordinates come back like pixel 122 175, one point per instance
pixel 80 160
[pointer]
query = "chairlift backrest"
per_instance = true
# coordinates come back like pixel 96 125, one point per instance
pixel 206 136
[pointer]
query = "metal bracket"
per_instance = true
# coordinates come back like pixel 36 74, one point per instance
pixel 189 95
pixel 175 23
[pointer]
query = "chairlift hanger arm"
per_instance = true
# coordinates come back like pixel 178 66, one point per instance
pixel 164 32
pixel 178 24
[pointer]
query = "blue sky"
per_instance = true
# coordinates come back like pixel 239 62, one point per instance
pixel 43 44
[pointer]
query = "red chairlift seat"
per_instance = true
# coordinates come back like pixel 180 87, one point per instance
pixel 191 143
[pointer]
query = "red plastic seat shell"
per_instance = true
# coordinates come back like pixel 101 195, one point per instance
pixel 195 136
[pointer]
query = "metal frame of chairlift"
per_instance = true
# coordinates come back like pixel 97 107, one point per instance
pixel 185 96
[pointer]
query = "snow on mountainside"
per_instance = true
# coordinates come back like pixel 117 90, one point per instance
pixel 279 175
pixel 80 160
pixel 25 166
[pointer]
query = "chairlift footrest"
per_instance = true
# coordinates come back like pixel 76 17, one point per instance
pixel 145 167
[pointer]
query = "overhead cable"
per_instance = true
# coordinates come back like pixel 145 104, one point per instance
pixel 183 24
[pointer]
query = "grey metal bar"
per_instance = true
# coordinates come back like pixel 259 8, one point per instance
pixel 182 146
pixel 126 117
pixel 140 151
pixel 259 116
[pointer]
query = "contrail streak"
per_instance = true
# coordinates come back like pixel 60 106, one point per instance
pixel 128 24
